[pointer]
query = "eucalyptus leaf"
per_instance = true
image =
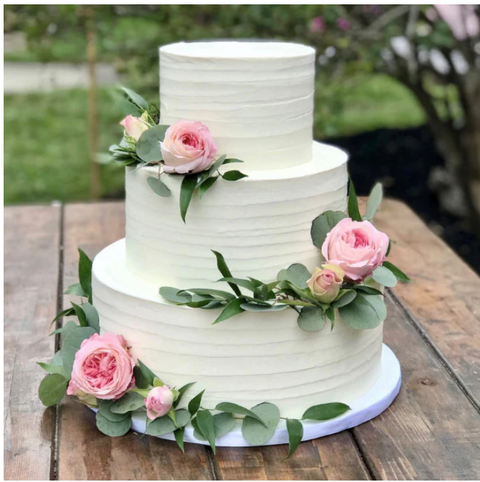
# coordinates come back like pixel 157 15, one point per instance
pixel 238 409
pixel 368 290
pixel 104 407
pixel 323 224
pixel 353 210
pixel 233 175
pixel 399 274
pixel 378 304
pixel 311 319
pixel 52 389
pixel 181 391
pixel 52 368
pixel 91 315
pixel 384 277
pixel 130 402
pixel 71 344
pixel 296 274
pixel 188 186
pixel 224 423
pixel 374 201
pixel 148 145
pixel 225 271
pixel 255 307
pixel 161 426
pixel 175 295
pixel 82 317
pixel 359 314
pixel 158 186
pixel 113 429
pixel 233 308
pixel 295 435
pixel 179 436
pixel 85 273
pixel 325 411
pixel 182 417
pixel 206 425
pixel 57 358
pixel 207 291
pixel 256 433
pixel 194 403
pixel 76 290
pixel 344 298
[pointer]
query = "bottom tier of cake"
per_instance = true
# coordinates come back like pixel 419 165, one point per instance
pixel 252 358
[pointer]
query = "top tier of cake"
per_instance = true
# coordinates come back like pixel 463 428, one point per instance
pixel 255 97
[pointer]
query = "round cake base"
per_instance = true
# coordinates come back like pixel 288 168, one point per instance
pixel 373 403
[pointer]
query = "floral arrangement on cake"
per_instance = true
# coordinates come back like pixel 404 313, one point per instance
pixel 352 273
pixel 185 148
pixel 100 371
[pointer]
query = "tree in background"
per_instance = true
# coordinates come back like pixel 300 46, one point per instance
pixel 434 52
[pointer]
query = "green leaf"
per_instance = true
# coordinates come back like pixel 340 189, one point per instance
pixel 136 99
pixel 57 358
pixel 130 402
pixel 297 274
pixel 85 273
pixel 262 292
pixel 400 275
pixel 233 308
pixel 71 344
pixel 311 319
pixel 368 290
pixel 92 316
pixel 323 224
pixel 359 314
pixel 295 434
pixel 104 407
pixel 148 145
pixel 158 186
pixel 175 295
pixel 256 433
pixel 224 423
pixel 140 380
pixel 238 409
pixel 353 210
pixel 389 247
pixel 194 403
pixel 76 290
pixel 344 298
pixel 378 304
pixel 231 161
pixel 233 175
pixel 82 318
pixel 147 373
pixel 67 312
pixel 225 271
pixel 207 291
pixel 207 427
pixel 161 426
pixel 157 382
pixel 52 389
pixel 52 368
pixel 255 307
pixel 384 276
pixel 179 435
pixel 182 417
pixel 215 166
pixel 113 429
pixel 330 314
pixel 244 283
pixel 206 185
pixel 189 184
pixel 295 303
pixel 374 201
pixel 181 392
pixel 325 411
pixel 197 433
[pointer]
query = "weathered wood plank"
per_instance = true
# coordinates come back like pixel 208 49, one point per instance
pixel 32 239
pixel 445 295
pixel 84 452
pixel 432 431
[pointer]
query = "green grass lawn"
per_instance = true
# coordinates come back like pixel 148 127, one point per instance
pixel 46 143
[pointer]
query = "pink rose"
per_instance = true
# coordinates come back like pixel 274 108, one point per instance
pixel 188 147
pixel 103 367
pixel 356 246
pixel 134 126
pixel 326 283
pixel 158 402
pixel 317 25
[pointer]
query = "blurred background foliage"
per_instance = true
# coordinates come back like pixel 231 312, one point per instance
pixel 384 73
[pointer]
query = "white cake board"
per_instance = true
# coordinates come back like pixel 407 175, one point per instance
pixel 373 403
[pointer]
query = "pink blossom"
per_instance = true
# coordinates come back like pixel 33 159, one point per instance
pixel 343 23
pixel 158 402
pixel 356 246
pixel 103 367
pixel 317 25
pixel 188 147
pixel 461 19
pixel 134 126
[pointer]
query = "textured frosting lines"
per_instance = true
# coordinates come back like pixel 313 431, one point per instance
pixel 259 109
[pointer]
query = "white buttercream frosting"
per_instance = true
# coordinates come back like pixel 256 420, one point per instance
pixel 252 358
pixel 255 97
pixel 261 224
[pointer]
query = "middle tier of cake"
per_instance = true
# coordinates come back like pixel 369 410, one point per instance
pixel 261 224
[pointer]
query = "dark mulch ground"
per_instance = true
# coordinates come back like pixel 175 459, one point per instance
pixel 402 160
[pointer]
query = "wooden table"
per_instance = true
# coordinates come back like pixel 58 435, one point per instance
pixel 432 430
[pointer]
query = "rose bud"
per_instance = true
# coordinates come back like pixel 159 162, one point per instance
pixel 326 283
pixel 188 148
pixel 357 247
pixel 159 401
pixel 134 126
pixel 103 367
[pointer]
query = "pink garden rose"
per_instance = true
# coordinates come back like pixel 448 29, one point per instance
pixel 134 126
pixel 356 246
pixel 103 367
pixel 158 402
pixel 326 283
pixel 188 147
